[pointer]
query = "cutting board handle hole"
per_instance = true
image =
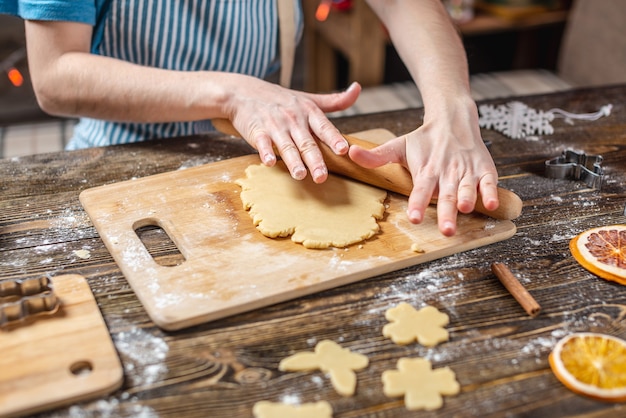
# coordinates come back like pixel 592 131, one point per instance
pixel 159 244
pixel 81 368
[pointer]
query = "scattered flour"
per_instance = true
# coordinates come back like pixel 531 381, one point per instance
pixel 290 399
pixel 318 381
pixel 196 161
pixel 143 355
pixel 111 409
pixel 561 237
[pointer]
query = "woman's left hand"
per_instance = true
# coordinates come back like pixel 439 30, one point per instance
pixel 447 160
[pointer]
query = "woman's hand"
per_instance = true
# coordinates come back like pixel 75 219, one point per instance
pixel 275 119
pixel 447 159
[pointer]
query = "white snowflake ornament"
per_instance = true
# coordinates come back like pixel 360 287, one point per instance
pixel 517 120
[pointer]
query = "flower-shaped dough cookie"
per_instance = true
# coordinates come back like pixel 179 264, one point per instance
pixel 407 325
pixel 421 386
pixel 331 358
pixel 267 409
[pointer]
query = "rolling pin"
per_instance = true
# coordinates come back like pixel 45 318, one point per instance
pixel 392 177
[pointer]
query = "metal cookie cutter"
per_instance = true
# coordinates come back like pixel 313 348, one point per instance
pixel 573 165
pixel 20 299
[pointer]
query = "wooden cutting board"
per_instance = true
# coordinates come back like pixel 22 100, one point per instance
pixel 52 360
pixel 229 266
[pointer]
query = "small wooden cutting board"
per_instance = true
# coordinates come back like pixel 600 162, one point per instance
pixel 53 360
pixel 229 266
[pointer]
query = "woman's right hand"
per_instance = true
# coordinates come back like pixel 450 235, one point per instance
pixel 273 118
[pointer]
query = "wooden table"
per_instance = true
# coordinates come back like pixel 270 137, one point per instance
pixel 220 369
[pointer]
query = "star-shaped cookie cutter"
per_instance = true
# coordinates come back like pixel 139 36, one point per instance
pixel 572 165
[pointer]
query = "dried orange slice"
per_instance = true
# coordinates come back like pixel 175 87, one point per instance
pixel 591 364
pixel 602 251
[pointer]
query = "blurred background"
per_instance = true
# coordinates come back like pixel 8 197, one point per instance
pixel 513 48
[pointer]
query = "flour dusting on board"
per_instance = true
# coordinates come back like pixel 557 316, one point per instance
pixel 213 289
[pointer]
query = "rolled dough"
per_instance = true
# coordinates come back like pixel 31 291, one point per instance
pixel 336 213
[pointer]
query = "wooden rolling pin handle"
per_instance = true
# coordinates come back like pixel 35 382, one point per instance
pixel 392 177
pixel 226 127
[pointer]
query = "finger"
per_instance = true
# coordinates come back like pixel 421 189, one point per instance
pixel 488 187
pixel 365 158
pixel 378 156
pixel 289 154
pixel 419 199
pixel 467 195
pixel 263 144
pixel 336 101
pixel 311 155
pixel 447 208
pixel 327 132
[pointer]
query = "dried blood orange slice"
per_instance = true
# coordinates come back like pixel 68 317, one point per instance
pixel 591 364
pixel 602 251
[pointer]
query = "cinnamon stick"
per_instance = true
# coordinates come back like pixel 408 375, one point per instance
pixel 517 290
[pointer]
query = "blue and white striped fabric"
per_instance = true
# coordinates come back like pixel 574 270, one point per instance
pixel 194 35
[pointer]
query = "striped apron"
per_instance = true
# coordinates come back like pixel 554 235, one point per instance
pixel 239 36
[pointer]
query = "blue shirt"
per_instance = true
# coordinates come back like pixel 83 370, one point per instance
pixel 238 36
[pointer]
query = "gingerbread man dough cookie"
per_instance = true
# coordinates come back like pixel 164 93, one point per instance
pixel 331 358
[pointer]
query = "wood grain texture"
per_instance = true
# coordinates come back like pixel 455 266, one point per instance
pixel 220 369
pixel 58 359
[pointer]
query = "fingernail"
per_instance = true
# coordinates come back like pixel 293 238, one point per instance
pixel 415 216
pixel 319 173
pixel 269 159
pixel 299 172
pixel 341 147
